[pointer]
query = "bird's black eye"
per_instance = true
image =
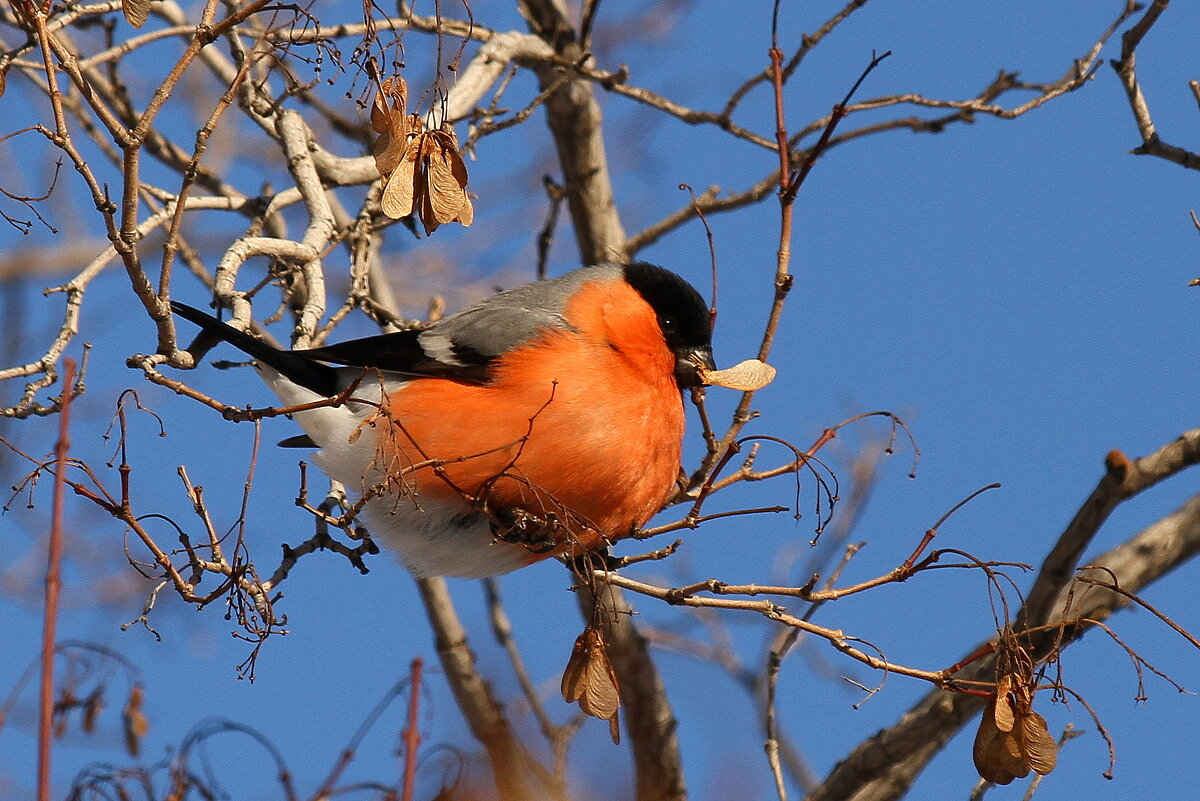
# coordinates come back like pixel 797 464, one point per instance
pixel 667 324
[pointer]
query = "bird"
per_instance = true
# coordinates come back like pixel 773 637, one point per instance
pixel 545 421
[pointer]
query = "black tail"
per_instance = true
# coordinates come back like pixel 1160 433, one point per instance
pixel 320 378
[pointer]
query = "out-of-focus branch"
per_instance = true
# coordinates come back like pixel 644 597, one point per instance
pixel 557 737
pixel 510 763
pixel 53 586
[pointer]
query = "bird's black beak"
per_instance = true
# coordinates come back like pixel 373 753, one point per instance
pixel 690 363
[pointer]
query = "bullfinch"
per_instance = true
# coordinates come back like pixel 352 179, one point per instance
pixel 544 421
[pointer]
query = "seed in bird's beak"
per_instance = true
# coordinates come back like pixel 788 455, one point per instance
pixel 746 376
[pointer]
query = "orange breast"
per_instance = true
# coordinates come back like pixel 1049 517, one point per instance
pixel 583 425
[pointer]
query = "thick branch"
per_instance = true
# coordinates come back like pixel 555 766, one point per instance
pixel 1123 480
pixel 575 121
pixel 510 763
pixel 1126 68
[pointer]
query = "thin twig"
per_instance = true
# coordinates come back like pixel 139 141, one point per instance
pixel 412 730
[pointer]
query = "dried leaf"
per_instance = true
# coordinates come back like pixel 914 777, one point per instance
pixel 601 699
pixel 397 200
pixel 589 679
pixel 134 722
pixel 1012 738
pixel 414 125
pixel 445 194
pixel 574 675
pixel 388 150
pixel 997 754
pixel 1003 713
pixel 389 121
pixel 392 145
pixel 448 180
pixel 571 686
pixel 93 705
pixel 745 376
pixel 983 751
pixel 429 179
pixel 459 166
pixel 1039 748
pixel 422 203
pixel 136 11
pixel 388 110
pixel 1002 706
pixel 1011 759
pixel 466 215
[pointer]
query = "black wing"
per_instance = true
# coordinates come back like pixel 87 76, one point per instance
pixel 403 352
pixel 399 352
pixel 462 347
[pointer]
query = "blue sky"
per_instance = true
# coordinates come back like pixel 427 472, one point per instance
pixel 1015 290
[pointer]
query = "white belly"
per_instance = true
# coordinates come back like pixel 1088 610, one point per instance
pixel 431 537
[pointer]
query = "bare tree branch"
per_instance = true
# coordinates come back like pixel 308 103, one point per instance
pixel 884 766
pixel 1126 69
pixel 575 120
pixel 484 714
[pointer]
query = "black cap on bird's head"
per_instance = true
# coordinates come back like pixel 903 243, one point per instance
pixel 682 315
